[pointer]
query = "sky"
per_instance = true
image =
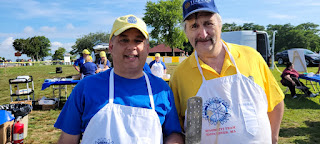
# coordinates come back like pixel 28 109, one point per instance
pixel 62 22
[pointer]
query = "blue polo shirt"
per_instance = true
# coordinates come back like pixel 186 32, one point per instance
pixel 79 62
pixel 92 94
pixel 89 68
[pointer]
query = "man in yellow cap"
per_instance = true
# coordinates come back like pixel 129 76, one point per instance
pixel 80 61
pixel 103 63
pixel 124 104
pixel 158 68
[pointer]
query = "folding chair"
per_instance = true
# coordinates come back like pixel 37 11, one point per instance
pixel 302 91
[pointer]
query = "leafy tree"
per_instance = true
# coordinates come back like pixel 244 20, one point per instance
pixel 36 47
pixel 302 36
pixel 165 18
pixel 252 26
pixel 88 41
pixel 231 27
pixel 58 54
pixel 153 43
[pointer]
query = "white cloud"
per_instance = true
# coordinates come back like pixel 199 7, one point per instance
pixel 69 26
pixel 7 50
pixel 48 29
pixel 7 44
pixel 235 20
pixel 28 29
pixel 282 16
pixel 55 45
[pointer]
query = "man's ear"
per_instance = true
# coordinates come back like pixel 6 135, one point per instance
pixel 148 47
pixel 110 46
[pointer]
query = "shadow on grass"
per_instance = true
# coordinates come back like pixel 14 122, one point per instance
pixel 312 132
pixel 302 103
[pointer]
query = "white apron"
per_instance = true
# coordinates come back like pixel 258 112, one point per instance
pixel 234 110
pixel 101 65
pixel 157 69
pixel 120 124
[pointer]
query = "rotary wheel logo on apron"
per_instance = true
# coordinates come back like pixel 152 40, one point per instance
pixel 216 110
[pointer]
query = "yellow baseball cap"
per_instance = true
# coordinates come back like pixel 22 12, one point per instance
pixel 90 57
pixel 85 51
pixel 103 54
pixel 123 23
pixel 157 55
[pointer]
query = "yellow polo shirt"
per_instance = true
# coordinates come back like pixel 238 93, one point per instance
pixel 186 79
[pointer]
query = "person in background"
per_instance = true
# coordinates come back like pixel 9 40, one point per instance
pixel 158 68
pixel 239 93
pixel 30 62
pixel 103 63
pixel 88 68
pixel 80 61
pixel 122 105
pixel 290 79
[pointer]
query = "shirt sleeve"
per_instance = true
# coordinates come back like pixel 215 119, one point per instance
pixel 76 63
pixel 272 89
pixel 151 63
pixel 171 123
pixel 69 120
pixel 164 66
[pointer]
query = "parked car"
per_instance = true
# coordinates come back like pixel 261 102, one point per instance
pixel 310 57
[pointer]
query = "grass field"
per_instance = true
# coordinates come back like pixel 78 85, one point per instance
pixel 301 120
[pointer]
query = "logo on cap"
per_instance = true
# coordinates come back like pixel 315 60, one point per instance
pixel 132 20
pixel 187 5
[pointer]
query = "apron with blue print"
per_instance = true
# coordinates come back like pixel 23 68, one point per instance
pixel 234 110
pixel 120 124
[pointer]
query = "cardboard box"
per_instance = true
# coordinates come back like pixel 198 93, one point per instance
pixel 49 107
pixel 46 102
pixel 6 132
pixel 23 91
pixel 29 102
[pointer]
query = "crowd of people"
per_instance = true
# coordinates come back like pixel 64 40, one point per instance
pixel 130 103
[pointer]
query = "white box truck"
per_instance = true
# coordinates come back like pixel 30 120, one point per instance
pixel 258 40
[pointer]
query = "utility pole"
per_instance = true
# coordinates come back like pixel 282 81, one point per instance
pixel 273 44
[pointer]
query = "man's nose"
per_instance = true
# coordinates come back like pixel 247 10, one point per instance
pixel 202 32
pixel 132 46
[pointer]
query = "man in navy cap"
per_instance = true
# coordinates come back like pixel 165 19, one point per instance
pixel 241 100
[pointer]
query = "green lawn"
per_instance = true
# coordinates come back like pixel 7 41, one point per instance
pixel 301 120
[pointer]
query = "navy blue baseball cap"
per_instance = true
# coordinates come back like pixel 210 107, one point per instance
pixel 193 6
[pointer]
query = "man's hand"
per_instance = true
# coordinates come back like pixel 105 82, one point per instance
pixel 68 139
pixel 174 138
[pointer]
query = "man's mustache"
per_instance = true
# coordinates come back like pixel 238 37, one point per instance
pixel 204 40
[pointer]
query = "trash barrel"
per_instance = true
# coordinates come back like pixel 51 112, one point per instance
pixel 58 69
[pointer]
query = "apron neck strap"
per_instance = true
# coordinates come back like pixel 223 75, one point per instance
pixel 226 49
pixel 111 88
